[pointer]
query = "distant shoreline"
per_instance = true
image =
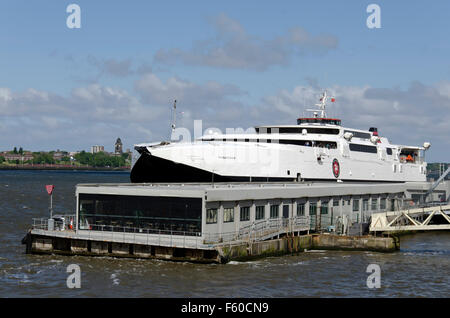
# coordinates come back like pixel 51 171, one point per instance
pixel 55 167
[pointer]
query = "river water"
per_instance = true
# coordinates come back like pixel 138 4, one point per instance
pixel 420 269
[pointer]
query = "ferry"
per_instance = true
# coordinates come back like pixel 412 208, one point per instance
pixel 317 148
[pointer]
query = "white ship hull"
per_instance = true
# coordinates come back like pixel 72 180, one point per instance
pixel 249 161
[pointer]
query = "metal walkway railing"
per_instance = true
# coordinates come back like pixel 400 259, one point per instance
pixel 419 219
pixel 257 231
pixel 262 230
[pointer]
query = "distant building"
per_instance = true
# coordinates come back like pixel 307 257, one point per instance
pixel 58 155
pixel 118 147
pixel 16 156
pixel 95 149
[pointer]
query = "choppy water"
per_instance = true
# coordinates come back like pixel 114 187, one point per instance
pixel 420 269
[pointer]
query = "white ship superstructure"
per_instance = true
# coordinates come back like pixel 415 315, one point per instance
pixel 317 148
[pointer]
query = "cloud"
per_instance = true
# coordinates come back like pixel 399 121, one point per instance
pixel 96 114
pixel 144 68
pixel 89 115
pixel 111 66
pixel 153 89
pixel 118 68
pixel 210 101
pixel 234 48
pixel 411 116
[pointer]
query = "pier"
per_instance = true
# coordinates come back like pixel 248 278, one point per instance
pixel 228 221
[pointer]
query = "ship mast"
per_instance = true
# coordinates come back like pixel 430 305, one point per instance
pixel 321 105
pixel 174 116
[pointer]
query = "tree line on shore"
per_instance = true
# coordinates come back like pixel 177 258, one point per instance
pixel 99 159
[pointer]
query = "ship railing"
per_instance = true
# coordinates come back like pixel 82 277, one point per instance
pixel 65 222
pixel 417 160
pixel 139 230
pixel 124 234
pixel 337 224
pixel 58 222
pixel 257 231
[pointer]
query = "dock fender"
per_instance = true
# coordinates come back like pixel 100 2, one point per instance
pixel 223 254
pixel 27 239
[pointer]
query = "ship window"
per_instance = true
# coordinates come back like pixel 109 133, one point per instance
pixel 366 205
pixel 294 130
pixel 211 216
pixel 382 204
pixel 300 209
pixel 359 134
pixel 312 208
pixel 245 214
pixel 324 208
pixel 363 148
pixel 329 121
pixel 308 143
pixel 228 215
pixel 389 151
pixel 269 130
pixel 274 211
pixel 374 204
pixel 147 213
pixel 355 205
pixel 260 212
pixel 325 144
pixel 392 205
pixel 295 142
pixel 408 155
pixel 336 202
pixel 247 140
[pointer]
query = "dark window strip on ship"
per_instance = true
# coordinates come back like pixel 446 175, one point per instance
pixel 363 148
pixel 307 143
pixel 295 130
pixel 358 134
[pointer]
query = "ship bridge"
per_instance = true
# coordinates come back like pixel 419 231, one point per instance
pixel 318 120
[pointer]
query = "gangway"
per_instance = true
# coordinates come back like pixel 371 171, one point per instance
pixel 268 229
pixel 434 186
pixel 262 230
pixel 419 219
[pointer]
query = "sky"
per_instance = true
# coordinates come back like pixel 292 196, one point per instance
pixel 228 63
